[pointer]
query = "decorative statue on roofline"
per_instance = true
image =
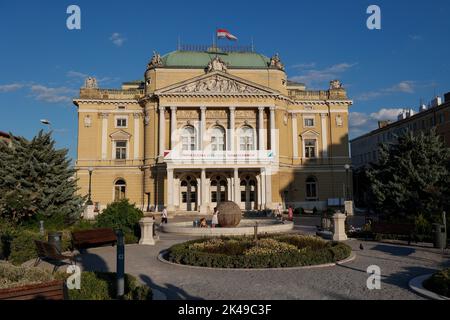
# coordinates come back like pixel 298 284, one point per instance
pixel 217 64
pixel 90 83
pixel 275 62
pixel 156 61
pixel 335 84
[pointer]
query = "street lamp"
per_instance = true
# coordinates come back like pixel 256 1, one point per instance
pixel 89 202
pixel 347 192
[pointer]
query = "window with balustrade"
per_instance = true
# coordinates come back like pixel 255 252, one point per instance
pixel 246 139
pixel 218 139
pixel 188 138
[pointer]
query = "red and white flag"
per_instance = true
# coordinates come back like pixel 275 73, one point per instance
pixel 222 33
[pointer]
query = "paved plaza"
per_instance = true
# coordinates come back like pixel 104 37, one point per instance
pixel 398 263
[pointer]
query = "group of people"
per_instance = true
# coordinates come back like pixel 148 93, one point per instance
pixel 214 221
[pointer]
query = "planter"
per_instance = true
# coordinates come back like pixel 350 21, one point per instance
pixel 53 290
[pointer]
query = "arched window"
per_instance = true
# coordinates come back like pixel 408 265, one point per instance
pixel 218 189
pixel 120 188
pixel 188 138
pixel 311 188
pixel 247 139
pixel 218 139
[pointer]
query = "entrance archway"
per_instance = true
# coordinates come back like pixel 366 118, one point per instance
pixel 248 192
pixel 189 192
pixel 219 190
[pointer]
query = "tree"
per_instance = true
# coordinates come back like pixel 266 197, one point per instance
pixel 412 176
pixel 37 182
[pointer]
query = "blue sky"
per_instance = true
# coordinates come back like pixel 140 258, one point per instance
pixel 42 63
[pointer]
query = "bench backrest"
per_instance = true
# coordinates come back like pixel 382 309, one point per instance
pixel 47 250
pixel 94 235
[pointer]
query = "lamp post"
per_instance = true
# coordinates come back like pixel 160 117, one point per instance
pixel 347 192
pixel 89 202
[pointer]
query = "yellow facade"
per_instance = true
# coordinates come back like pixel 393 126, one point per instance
pixel 197 132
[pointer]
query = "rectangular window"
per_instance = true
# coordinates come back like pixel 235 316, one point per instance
pixel 311 191
pixel 309 122
pixel 121 150
pixel 310 148
pixel 121 122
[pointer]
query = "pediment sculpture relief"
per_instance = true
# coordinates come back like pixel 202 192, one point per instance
pixel 217 85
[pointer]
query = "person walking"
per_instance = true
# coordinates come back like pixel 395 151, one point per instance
pixel 215 218
pixel 164 217
pixel 278 213
pixel 291 213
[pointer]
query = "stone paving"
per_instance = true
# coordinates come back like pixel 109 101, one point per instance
pixel 398 263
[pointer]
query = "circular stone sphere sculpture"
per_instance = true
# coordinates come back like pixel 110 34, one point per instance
pixel 229 214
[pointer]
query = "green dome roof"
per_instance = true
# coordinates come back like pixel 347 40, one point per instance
pixel 198 59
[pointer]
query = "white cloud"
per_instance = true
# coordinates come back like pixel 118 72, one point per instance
pixel 360 123
pixel 117 39
pixel 415 37
pixel 304 65
pixel 76 74
pixel 405 86
pixel 319 76
pixel 53 95
pixel 10 87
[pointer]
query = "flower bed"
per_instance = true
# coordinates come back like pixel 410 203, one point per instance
pixel 439 283
pixel 281 251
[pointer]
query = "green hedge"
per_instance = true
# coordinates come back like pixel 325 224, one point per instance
pixel 439 283
pixel 13 276
pixel 102 286
pixel 311 251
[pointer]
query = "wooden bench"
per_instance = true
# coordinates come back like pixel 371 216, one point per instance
pixel 53 290
pixel 86 239
pixel 48 251
pixel 403 229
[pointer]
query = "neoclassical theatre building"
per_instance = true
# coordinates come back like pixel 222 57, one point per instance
pixel 208 125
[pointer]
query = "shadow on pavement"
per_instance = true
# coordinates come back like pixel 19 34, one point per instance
pixel 394 250
pixel 170 291
pixel 92 262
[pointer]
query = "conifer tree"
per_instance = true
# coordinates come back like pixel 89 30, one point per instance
pixel 37 182
pixel 412 177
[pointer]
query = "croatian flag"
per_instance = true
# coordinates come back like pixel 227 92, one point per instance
pixel 222 33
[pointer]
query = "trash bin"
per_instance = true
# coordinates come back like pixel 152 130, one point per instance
pixel 440 236
pixel 55 238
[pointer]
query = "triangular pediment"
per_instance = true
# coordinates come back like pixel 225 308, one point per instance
pixel 120 135
pixel 309 133
pixel 217 83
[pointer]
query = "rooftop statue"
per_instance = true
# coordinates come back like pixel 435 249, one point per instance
pixel 217 64
pixel 90 83
pixel 275 62
pixel 156 61
pixel 335 84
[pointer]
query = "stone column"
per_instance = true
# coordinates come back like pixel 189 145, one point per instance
pixel 137 134
pixel 203 190
pixel 104 117
pixel 162 131
pixel 170 189
pixel 267 173
pixel 324 135
pixel 294 136
pixel 263 188
pixel 202 128
pixel 273 147
pixel 147 236
pixel 261 145
pixel 339 227
pixel 237 186
pixel 232 128
pixel 173 128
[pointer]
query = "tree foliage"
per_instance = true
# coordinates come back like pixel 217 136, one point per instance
pixel 37 182
pixel 412 177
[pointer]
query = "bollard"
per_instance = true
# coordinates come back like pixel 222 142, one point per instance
pixel 120 267
pixel 256 231
pixel 41 228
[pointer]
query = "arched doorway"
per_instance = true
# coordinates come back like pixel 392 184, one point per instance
pixel 248 192
pixel 188 189
pixel 219 190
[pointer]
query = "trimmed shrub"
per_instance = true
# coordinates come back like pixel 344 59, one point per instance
pixel 102 286
pixel 23 247
pixel 439 283
pixel 13 276
pixel 268 252
pixel 122 215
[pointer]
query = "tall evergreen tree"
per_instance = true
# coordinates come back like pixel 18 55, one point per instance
pixel 412 177
pixel 37 182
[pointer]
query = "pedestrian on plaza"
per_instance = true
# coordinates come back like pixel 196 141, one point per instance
pixel 164 217
pixel 215 218
pixel 279 209
pixel 291 213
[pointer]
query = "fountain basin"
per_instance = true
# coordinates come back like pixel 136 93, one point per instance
pixel 245 228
